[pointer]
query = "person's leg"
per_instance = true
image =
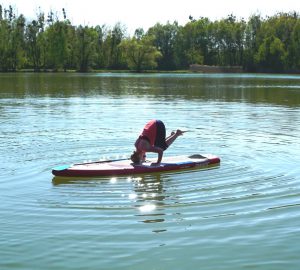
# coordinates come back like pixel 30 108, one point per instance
pixel 173 137
pixel 160 140
pixel 172 133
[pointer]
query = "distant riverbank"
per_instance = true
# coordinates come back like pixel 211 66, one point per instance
pixel 193 69
pixel 270 45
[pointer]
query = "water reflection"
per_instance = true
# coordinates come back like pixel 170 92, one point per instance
pixel 145 193
pixel 280 90
pixel 58 180
pixel 150 200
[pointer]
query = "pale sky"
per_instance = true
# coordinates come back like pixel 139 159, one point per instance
pixel 140 13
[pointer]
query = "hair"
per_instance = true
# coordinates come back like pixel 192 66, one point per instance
pixel 135 157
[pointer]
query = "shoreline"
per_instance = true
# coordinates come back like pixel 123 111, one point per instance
pixel 214 70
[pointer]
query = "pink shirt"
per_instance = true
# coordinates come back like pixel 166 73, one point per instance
pixel 149 131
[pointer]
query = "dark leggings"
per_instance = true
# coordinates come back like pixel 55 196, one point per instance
pixel 160 140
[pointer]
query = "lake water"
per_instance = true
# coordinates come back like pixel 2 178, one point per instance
pixel 244 214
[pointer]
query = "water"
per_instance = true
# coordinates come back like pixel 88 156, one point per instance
pixel 244 214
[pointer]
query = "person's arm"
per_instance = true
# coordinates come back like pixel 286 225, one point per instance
pixel 157 150
pixel 146 147
pixel 160 155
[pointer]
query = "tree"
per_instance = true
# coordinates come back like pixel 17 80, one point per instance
pixel 271 54
pixel 229 38
pixel 295 48
pixel 4 34
pixel 85 47
pixel 70 60
pixel 261 44
pixel 57 45
pixel 100 48
pixel 140 53
pixel 193 44
pixel 33 50
pixel 112 42
pixel 36 44
pixel 12 54
pixel 164 41
pixel 251 41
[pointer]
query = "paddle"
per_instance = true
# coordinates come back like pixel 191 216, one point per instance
pixel 102 161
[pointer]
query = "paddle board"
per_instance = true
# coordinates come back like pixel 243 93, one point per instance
pixel 126 167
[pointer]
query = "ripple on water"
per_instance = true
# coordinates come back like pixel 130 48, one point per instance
pixel 225 191
pixel 244 213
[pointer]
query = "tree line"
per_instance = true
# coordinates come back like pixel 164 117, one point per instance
pixel 51 42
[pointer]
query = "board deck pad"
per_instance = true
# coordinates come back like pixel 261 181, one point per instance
pixel 126 167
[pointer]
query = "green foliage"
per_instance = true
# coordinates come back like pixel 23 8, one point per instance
pixel 140 52
pixel 194 56
pixel 85 47
pixel 164 38
pixel 269 44
pixel 271 54
pixel 55 34
pixel 251 41
pixel 295 46
pixel 193 44
pixel 11 40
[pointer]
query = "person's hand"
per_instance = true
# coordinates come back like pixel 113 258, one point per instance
pixel 155 164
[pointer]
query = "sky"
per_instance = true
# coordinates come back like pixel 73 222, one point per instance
pixel 144 14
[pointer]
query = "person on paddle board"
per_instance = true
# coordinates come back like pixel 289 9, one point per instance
pixel 153 139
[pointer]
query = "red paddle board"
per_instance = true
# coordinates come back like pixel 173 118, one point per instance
pixel 126 167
